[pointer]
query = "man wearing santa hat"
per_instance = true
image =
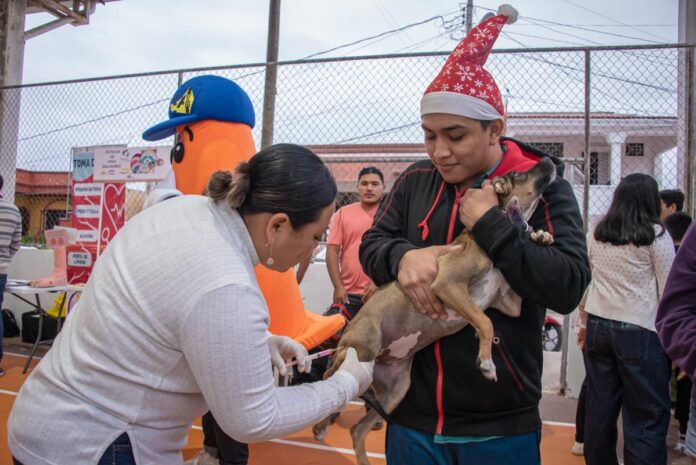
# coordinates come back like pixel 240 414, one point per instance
pixel 451 413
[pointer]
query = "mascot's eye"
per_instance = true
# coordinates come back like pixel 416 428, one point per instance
pixel 177 153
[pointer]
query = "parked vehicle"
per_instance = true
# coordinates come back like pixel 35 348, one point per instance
pixel 552 334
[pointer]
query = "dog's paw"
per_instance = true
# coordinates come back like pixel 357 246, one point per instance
pixel 542 237
pixel 319 432
pixel 502 185
pixel 487 367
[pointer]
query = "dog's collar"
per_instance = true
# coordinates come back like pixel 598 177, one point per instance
pixel 485 175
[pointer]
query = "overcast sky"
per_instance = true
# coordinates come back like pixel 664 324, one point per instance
pixel 132 36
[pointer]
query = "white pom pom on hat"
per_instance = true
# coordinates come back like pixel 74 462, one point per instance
pixel 509 11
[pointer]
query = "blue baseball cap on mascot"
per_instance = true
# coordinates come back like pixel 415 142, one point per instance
pixel 201 98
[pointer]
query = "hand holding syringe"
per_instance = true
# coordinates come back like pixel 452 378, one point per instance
pixel 294 362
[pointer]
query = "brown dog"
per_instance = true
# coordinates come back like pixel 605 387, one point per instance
pixel 390 331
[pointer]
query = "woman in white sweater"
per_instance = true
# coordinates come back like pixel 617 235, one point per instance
pixel 627 370
pixel 172 323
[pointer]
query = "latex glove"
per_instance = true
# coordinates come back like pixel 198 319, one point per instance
pixel 360 371
pixel 282 348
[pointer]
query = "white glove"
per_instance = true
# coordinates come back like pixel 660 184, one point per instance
pixel 282 348
pixel 360 371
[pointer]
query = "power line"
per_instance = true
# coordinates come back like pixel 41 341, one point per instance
pixel 567 73
pixel 388 17
pixel 393 31
pixel 377 133
pixel 548 38
pixel 533 20
pixel 612 19
pixel 608 25
pixel 94 120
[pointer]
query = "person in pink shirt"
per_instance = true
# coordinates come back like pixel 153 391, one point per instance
pixel 351 285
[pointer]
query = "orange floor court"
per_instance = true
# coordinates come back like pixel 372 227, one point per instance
pixel 297 449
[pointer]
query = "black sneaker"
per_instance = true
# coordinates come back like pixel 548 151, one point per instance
pixel 2 372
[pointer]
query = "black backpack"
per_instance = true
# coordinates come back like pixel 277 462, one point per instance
pixel 9 324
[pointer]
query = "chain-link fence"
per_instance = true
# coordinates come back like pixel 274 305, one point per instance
pixel 365 111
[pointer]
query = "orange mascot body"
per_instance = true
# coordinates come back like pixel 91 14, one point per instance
pixel 212 118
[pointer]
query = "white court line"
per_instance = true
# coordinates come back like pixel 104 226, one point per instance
pixel 340 450
pixel 559 423
pixel 308 445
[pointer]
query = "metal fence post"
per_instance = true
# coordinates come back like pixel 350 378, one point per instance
pixel 586 165
pixel 269 94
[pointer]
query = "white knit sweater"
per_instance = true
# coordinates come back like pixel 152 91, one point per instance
pixel 171 323
pixel 627 280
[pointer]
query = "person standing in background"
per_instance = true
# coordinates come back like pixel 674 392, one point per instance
pixel 10 238
pixel 676 323
pixel 677 224
pixel 351 285
pixel 627 369
pixel 671 201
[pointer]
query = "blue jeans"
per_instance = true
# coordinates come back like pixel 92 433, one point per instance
pixel 119 452
pixel 406 446
pixel 3 282
pixel 627 372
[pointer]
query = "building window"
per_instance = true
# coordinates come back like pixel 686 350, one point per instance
pixel 635 149
pixel 52 218
pixel 594 168
pixel 551 148
pixel 24 213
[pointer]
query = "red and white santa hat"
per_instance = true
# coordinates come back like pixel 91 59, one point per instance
pixel 463 87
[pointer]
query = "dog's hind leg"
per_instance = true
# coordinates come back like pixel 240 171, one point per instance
pixel 358 433
pixel 391 382
pixel 457 298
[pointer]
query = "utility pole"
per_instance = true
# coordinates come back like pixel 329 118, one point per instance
pixel 269 93
pixel 469 15
pixel 12 14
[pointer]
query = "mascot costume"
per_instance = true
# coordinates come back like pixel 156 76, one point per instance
pixel 212 118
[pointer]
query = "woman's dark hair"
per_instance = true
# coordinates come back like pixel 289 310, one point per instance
pixel 283 178
pixel 633 213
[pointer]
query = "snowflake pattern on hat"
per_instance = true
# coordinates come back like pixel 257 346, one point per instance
pixel 463 72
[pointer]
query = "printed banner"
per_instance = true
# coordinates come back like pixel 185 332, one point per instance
pixel 132 164
pixel 96 221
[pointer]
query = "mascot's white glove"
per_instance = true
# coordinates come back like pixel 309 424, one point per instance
pixel 360 371
pixel 282 348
